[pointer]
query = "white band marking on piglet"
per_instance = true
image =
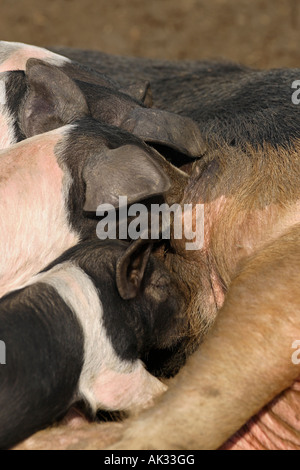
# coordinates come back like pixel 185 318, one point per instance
pixel 7 133
pixel 14 55
pixel 3 78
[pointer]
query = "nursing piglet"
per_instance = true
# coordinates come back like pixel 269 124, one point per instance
pixel 49 182
pixel 71 91
pixel 70 336
pixel 14 55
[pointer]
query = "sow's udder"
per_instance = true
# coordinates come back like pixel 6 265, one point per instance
pixel 276 427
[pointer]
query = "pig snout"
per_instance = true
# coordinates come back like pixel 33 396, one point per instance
pixel 165 347
pixel 169 321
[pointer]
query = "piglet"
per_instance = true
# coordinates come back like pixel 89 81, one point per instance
pixel 14 55
pixel 70 336
pixel 77 91
pixel 51 182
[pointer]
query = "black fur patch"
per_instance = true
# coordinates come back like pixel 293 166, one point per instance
pixel 230 102
pixel 83 72
pixel 44 358
pixel 240 107
pixel 106 104
pixel 16 89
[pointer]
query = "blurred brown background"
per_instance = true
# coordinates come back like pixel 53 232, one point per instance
pixel 261 33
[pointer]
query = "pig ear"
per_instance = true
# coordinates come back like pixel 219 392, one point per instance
pixel 131 269
pixel 53 99
pixel 141 92
pixel 160 127
pixel 126 171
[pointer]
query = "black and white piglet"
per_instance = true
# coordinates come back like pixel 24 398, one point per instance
pixel 70 335
pixel 49 183
pixel 41 95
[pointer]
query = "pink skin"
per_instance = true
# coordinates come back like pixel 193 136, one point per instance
pixel 120 391
pixel 5 131
pixel 7 134
pixel 277 427
pixel 75 419
pixel 255 229
pixel 34 228
pixel 14 56
pixel 20 53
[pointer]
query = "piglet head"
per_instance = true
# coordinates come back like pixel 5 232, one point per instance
pixel 56 97
pixel 151 290
pixel 106 162
pixel 143 308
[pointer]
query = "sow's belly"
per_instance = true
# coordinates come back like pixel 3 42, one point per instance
pixel 277 427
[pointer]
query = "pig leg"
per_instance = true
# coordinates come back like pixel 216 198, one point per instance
pixel 85 437
pixel 244 363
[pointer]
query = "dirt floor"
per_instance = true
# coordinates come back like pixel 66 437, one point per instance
pixel 261 33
